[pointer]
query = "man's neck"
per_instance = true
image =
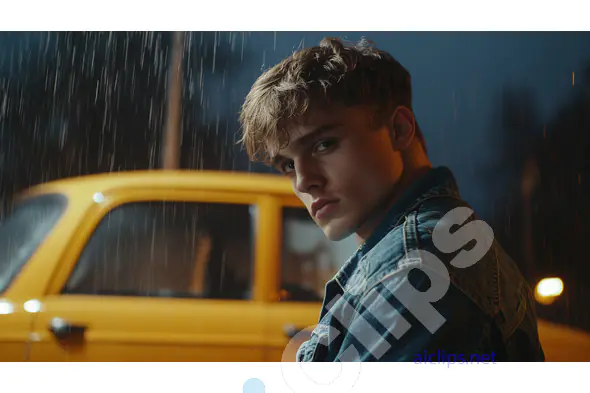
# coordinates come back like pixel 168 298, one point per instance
pixel 409 176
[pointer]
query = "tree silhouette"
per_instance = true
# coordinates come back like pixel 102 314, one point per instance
pixel 514 132
pixel 543 217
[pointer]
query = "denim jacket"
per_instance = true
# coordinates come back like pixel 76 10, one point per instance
pixel 429 281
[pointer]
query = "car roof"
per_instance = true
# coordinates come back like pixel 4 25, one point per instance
pixel 177 179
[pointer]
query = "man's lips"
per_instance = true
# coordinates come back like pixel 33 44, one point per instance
pixel 320 205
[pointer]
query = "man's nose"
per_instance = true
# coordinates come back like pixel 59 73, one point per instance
pixel 309 177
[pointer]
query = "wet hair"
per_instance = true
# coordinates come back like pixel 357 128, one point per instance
pixel 332 73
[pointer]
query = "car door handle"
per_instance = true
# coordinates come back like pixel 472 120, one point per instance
pixel 63 329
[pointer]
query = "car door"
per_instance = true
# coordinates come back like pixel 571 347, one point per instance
pixel 160 276
pixel 307 260
pixel 23 233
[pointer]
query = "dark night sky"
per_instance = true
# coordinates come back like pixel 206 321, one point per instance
pixel 458 79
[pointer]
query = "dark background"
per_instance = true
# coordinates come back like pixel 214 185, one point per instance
pixel 507 112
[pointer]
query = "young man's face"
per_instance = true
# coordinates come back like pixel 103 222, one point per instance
pixel 342 169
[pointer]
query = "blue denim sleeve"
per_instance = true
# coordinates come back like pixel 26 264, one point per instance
pixel 409 315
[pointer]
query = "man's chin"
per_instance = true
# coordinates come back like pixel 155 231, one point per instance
pixel 335 232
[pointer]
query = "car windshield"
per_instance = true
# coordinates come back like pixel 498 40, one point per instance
pixel 22 231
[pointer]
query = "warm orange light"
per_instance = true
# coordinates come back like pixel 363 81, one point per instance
pixel 548 289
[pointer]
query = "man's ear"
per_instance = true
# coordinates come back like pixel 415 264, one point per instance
pixel 402 128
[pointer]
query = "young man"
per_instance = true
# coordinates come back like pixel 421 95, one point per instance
pixel 429 283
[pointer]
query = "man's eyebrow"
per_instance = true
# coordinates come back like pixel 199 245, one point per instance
pixel 305 140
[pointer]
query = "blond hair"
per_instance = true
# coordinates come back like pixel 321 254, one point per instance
pixel 333 72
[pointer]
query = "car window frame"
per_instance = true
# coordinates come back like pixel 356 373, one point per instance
pixel 162 294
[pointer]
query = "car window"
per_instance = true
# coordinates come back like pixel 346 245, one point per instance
pixel 22 231
pixel 310 259
pixel 169 249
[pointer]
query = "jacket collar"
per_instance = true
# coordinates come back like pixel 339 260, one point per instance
pixel 436 182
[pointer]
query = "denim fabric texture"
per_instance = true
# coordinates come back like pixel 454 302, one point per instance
pixel 487 307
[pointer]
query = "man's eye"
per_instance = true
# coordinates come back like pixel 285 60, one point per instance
pixel 288 167
pixel 324 145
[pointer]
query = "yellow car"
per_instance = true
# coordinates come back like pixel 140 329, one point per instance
pixel 161 266
pixel 172 266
